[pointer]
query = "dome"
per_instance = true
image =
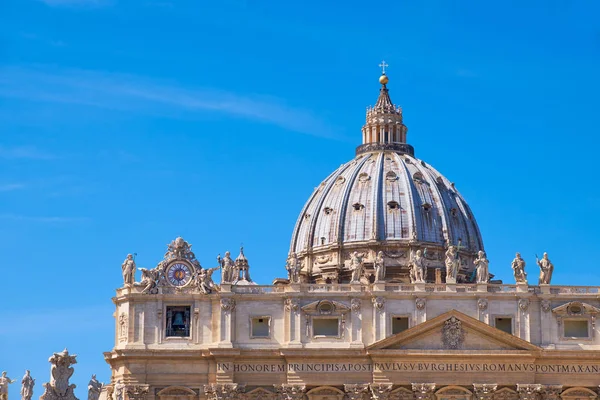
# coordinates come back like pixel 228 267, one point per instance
pixel 385 200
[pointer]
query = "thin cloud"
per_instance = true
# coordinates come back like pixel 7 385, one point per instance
pixel 10 187
pixel 77 3
pixel 42 219
pixel 137 95
pixel 24 152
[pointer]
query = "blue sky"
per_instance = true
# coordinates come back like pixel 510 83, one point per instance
pixel 124 124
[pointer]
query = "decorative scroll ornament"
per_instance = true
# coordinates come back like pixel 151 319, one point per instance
pixel 356 391
pixel 545 305
pixel 292 304
pixel 290 391
pixel 453 334
pixel 61 371
pixel 420 303
pixel 227 304
pixel 484 391
pixel 529 391
pixel 137 392
pixel 482 304
pixel 423 391
pixel 179 249
pixel 523 304
pixel 378 303
pixel 323 259
pixel 381 391
pixel 123 326
pixel 225 391
pixel 355 305
pixel 551 392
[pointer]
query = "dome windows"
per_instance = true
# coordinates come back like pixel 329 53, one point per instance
pixel 358 206
pixel 340 180
pixel 393 205
pixel 418 177
pixel 426 207
pixel 391 176
pixel 363 177
pixel 328 210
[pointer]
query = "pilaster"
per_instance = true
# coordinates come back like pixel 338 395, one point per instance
pixel 378 317
pixel 420 310
pixel 292 310
pixel 482 307
pixel 546 321
pixel 523 313
pixel 356 323
pixel 227 322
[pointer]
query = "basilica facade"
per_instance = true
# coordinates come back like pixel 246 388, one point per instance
pixel 388 296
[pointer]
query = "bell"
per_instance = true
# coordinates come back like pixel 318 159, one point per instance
pixel 178 321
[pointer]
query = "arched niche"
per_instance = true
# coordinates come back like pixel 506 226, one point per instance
pixel 402 394
pixel 177 393
pixel 578 393
pixel 260 394
pixel 453 393
pixel 325 393
pixel 506 394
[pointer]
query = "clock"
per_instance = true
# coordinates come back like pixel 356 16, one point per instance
pixel 179 274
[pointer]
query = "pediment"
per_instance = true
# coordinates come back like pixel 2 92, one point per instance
pixel 576 308
pixel 326 307
pixel 450 331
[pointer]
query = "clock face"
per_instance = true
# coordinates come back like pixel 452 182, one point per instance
pixel 179 274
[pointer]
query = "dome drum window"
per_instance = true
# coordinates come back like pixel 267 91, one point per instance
pixel 393 205
pixel 328 210
pixel 358 206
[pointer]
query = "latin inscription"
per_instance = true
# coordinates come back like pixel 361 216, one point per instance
pixel 410 367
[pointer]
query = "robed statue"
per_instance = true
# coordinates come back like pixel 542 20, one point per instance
pixel 227 267
pixel 27 386
pixel 94 388
pixel 546 269
pixel 356 266
pixel 4 382
pixel 292 266
pixel 452 263
pixel 418 267
pixel 482 268
pixel 128 269
pixel 518 267
pixel 379 267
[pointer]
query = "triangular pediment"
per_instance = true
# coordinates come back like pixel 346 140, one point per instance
pixel 453 330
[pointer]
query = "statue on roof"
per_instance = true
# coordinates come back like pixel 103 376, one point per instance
pixel 518 266
pixel 149 280
pixel 379 267
pixel 292 266
pixel 128 269
pixel 482 267
pixel 4 382
pixel 452 264
pixel 61 371
pixel 27 384
pixel 546 269
pixel 205 281
pixel 418 266
pixel 94 388
pixel 356 266
pixel 227 266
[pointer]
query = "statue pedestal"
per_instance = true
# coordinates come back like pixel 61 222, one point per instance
pixel 522 288
pixel 545 288
pixel 379 287
pixel 482 287
pixel 450 280
pixel 292 287
pixel 451 287
pixel 355 287
pixel 419 286
pixel 226 287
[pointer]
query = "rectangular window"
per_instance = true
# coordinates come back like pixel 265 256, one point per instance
pixel 326 327
pixel 260 327
pixel 178 321
pixel 576 329
pixel 504 324
pixel 399 324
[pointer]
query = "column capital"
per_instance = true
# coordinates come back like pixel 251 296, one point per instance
pixel 529 391
pixel 484 391
pixel 137 392
pixel 551 392
pixel 423 391
pixel 223 391
pixel 356 391
pixel 289 391
pixel 380 391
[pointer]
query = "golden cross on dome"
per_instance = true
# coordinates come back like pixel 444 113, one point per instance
pixel 383 65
